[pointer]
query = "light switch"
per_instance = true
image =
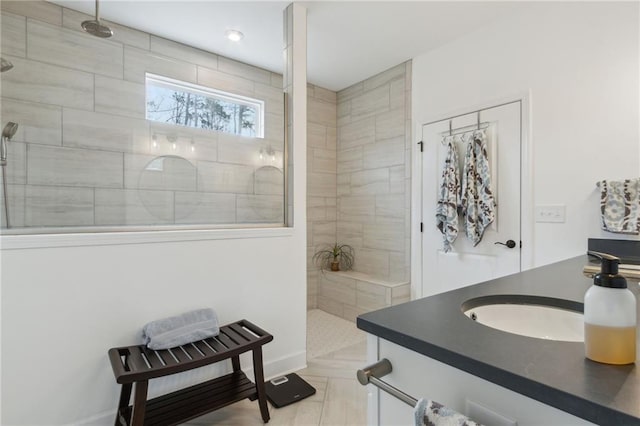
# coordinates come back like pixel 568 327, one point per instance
pixel 554 213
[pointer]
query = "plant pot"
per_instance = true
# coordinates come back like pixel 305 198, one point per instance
pixel 335 266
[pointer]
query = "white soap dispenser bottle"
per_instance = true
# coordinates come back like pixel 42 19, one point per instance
pixel 609 315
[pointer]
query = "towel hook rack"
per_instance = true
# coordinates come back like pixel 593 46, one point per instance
pixel 371 375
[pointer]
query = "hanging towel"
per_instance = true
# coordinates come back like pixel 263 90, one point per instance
pixel 431 413
pixel 182 329
pixel 447 206
pixel 620 206
pixel 477 202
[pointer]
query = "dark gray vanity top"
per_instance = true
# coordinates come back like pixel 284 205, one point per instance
pixel 552 372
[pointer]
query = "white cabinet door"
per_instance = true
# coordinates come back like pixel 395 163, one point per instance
pixel 422 376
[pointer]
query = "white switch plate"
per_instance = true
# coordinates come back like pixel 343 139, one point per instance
pixel 553 214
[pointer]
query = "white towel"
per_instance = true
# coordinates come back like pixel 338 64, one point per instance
pixel 431 413
pixel 447 205
pixel 477 202
pixel 620 206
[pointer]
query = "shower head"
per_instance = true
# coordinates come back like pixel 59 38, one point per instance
pixel 9 130
pixel 5 65
pixel 95 27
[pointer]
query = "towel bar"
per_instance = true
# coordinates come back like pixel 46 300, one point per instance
pixel 372 374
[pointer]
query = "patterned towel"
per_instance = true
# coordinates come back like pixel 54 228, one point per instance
pixel 477 202
pixel 620 206
pixel 431 413
pixel 447 206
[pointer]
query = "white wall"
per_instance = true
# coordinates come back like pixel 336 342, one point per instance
pixel 580 63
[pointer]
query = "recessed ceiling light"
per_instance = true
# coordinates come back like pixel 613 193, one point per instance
pixel 234 35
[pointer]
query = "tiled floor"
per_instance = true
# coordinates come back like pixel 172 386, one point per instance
pixel 339 400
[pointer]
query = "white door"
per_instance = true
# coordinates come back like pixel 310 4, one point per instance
pixel 465 264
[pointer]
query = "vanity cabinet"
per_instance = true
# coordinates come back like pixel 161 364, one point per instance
pixel 481 400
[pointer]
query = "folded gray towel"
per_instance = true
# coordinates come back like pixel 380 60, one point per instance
pixel 182 329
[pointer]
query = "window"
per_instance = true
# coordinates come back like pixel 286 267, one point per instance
pixel 184 104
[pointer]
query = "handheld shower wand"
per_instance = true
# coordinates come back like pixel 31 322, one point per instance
pixel 7 133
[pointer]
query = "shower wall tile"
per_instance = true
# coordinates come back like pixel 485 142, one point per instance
pixel 371 296
pixel 239 150
pixel 357 133
pixel 13 34
pixel 325 95
pixel 371 102
pixel 226 82
pixel 384 237
pixel 392 74
pixel 321 112
pixel 350 92
pixel 204 208
pixel 183 52
pixel 227 178
pixel 73 167
pixel 41 10
pixel 58 206
pixel 274 128
pixel 49 84
pixel 277 81
pixel 375 181
pixel 398 95
pixel 16 168
pixel 38 123
pixel 269 180
pixel 191 143
pixel 350 160
pixel 323 160
pixel 316 136
pixel 272 96
pixel 72 20
pixel 169 173
pixel 137 62
pixel 338 288
pixel 390 208
pixel 385 153
pixel 120 97
pixel 372 261
pixel 240 69
pixel 15 194
pixel 323 235
pixel 356 209
pixel 133 207
pixel 390 125
pixel 73 49
pixel 260 209
pixel 108 132
pixel 321 184
pixel 398 181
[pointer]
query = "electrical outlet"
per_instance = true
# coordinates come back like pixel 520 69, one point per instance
pixel 552 214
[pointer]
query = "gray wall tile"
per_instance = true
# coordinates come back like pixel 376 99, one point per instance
pixel 58 206
pixel 384 237
pixel 204 208
pixel 16 168
pixel 48 165
pixel 371 102
pixel 390 125
pixel 15 194
pixel 375 181
pixel 240 150
pixel 219 177
pixel 385 153
pixel 109 132
pixel 227 82
pixel 356 133
pixel 240 69
pixel 73 49
pixel 120 97
pixel 137 62
pixel 260 209
pixel 321 112
pixel 37 82
pixel 41 10
pixel 13 34
pixel 133 207
pixel 169 173
pixel 321 184
pixel 395 73
pixel 269 180
pixel 356 209
pixel 323 160
pixel 37 123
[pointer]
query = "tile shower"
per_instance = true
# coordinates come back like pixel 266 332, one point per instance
pixel 84 155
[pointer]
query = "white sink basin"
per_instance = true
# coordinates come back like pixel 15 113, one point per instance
pixel 531 320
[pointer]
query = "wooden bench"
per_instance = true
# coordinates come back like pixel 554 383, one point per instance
pixel 138 364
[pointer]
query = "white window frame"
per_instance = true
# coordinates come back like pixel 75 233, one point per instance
pixel 197 89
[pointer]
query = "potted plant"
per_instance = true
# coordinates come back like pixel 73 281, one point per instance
pixel 335 257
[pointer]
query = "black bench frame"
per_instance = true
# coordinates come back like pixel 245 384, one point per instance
pixel 138 364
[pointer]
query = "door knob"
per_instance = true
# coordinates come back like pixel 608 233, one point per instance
pixel 510 243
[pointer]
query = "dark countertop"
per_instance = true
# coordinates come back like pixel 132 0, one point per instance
pixel 555 373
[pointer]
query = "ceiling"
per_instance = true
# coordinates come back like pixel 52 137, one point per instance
pixel 347 41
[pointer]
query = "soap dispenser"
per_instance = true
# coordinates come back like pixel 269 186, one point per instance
pixel 609 315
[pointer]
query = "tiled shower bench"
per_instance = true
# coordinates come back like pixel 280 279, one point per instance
pixel 138 364
pixel 348 294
